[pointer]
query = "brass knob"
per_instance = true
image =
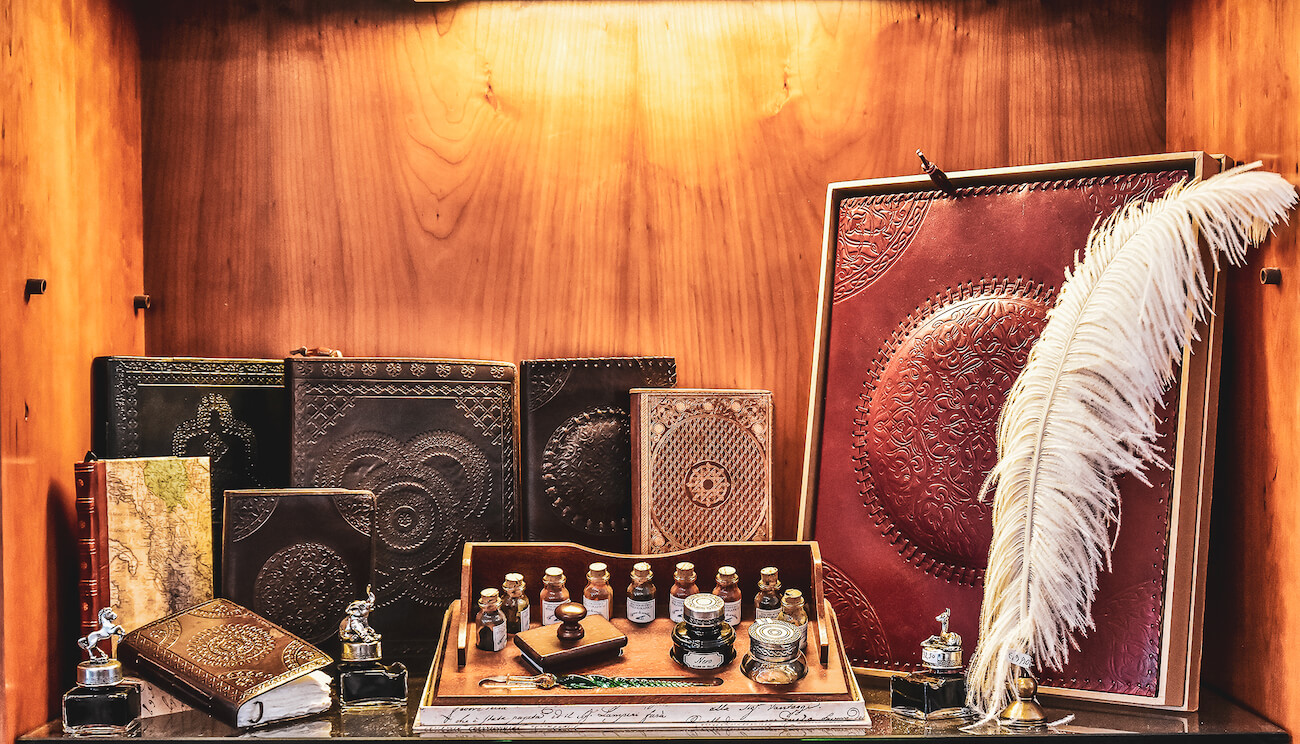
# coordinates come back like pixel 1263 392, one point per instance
pixel 570 615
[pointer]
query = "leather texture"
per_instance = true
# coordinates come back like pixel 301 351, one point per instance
pixel 702 467
pixel 92 544
pixel 233 411
pixel 576 446
pixel 218 655
pixel 298 556
pixel 936 302
pixel 434 440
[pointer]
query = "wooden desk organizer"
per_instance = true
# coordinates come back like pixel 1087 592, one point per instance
pixel 453 697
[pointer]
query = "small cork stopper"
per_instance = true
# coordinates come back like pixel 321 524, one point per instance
pixel 514 583
pixel 641 571
pixel 727 575
pixel 792 598
pixel 685 571
pixel 768 577
pixel 489 599
pixel 553 575
pixel 598 572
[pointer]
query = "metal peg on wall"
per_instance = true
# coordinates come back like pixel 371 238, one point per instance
pixel 1270 275
pixel 33 287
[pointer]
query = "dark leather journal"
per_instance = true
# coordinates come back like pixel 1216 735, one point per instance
pixel 298 556
pixel 434 440
pixel 233 411
pixel 220 657
pixel 576 446
pixel 931 302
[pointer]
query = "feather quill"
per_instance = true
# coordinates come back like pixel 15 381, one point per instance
pixel 1084 409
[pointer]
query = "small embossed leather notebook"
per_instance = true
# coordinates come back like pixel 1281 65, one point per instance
pixel 702 467
pixel 144 535
pixel 233 411
pixel 577 446
pixel 298 556
pixel 434 440
pixel 230 662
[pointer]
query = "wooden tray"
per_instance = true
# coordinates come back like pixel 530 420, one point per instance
pixel 452 694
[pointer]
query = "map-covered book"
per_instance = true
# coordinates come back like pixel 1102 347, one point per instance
pixel 145 537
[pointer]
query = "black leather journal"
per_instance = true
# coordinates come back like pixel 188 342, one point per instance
pixel 235 412
pixel 297 557
pixel 577 447
pixel 434 440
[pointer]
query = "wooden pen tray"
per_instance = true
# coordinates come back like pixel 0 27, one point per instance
pixel 453 697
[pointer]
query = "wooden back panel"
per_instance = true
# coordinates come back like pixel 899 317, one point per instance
pixel 485 565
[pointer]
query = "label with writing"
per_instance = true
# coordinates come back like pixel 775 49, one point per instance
pixel 698 660
pixel 640 610
pixel 499 637
pixel 731 612
pixel 524 619
pixel 548 612
pixel 761 614
pixel 675 609
pixel 596 607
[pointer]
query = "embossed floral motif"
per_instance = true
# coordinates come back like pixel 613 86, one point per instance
pixel 219 608
pixel 873 233
pixel 230 645
pixel 393 369
pixel 498 372
pixel 865 641
pixel 467 370
pixel 925 435
pixel 165 633
pixel 583 464
pixel 348 369
pixel 304 588
pixel 369 370
pixel 298 654
pixel 245 679
pixel 708 484
pixel 245 515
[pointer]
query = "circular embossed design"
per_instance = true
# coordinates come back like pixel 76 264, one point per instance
pixel 165 633
pixel 230 645
pixel 304 588
pixel 583 459
pixel 357 509
pixel 931 406
pixel 246 514
pixel 711 439
pixel 297 654
pixel 708 484
pixel 245 679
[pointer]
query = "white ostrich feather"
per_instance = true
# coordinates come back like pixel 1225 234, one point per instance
pixel 1083 411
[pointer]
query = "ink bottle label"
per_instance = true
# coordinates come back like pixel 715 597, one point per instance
pixel 596 607
pixel 524 619
pixel 548 611
pixel 731 612
pixel 641 610
pixel 703 660
pixel 675 605
pixel 766 614
pixel 499 637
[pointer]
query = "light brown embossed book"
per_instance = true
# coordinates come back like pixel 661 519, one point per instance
pixel 232 663
pixel 702 467
pixel 145 536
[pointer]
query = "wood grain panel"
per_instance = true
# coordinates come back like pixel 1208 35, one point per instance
pixel 1233 88
pixel 70 214
pixel 517 180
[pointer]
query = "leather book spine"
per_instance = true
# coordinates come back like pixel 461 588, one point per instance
pixel 92 543
pixel 226 711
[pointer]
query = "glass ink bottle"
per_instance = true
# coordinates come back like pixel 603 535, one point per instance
pixel 774 657
pixel 103 703
pixel 703 640
pixel 767 603
pixel 491 623
pixel 939 691
pixel 365 681
pixel 728 587
pixel 683 587
pixel 514 603
pixel 793 612
pixel 641 595
pixel 597 594
pixel 554 594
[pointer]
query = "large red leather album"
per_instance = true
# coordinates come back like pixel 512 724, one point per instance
pixel 931 299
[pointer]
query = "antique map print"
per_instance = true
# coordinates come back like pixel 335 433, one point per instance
pixel 159 536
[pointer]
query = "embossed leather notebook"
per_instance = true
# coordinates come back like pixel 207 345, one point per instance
pixel 226 660
pixel 577 446
pixel 298 556
pixel 930 304
pixel 702 467
pixel 144 537
pixel 233 411
pixel 434 440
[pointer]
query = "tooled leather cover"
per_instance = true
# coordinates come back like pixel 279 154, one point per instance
pixel 936 301
pixel 434 440
pixel 577 448
pixel 218 655
pixel 702 467
pixel 298 556
pixel 233 411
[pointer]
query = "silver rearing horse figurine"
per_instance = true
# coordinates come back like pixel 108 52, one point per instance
pixel 107 629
